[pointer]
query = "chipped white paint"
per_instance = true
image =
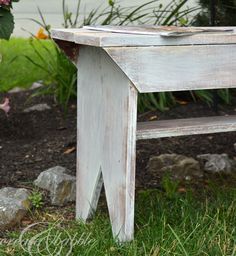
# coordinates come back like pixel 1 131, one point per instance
pixel 180 127
pixel 108 82
pixel 107 106
pixel 174 68
pixel 106 39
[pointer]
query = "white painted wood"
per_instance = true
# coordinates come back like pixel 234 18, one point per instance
pixel 108 39
pixel 67 34
pixel 107 119
pixel 166 31
pixel 174 68
pixel 180 127
pixel 108 81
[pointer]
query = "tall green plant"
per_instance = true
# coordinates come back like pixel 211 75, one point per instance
pixel 151 12
pixel 69 20
pixel 62 73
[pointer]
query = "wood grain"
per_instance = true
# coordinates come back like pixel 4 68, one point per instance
pixel 108 82
pixel 174 68
pixel 180 127
pixel 107 119
pixel 108 39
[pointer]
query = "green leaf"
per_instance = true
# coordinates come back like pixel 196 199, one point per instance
pixel 6 24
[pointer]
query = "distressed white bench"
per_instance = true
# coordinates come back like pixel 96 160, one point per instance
pixel 113 68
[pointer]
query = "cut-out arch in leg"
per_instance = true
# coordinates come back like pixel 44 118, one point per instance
pixel 107 120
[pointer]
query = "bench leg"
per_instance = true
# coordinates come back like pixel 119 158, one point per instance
pixel 107 119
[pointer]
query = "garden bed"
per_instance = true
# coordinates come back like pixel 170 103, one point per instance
pixel 34 141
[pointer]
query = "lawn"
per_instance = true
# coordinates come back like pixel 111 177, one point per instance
pixel 15 69
pixel 166 223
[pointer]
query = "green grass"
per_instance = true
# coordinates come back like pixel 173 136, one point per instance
pixel 182 224
pixel 16 70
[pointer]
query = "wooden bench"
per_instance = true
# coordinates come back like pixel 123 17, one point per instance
pixel 113 68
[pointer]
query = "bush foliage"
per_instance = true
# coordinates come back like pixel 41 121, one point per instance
pixel 225 13
pixel 6 18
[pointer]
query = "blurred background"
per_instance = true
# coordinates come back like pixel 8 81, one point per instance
pixel 30 46
pixel 52 11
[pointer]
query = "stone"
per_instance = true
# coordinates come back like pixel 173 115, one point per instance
pixel 177 167
pixel 16 90
pixel 235 146
pixel 19 194
pixel 36 85
pixel 14 204
pixel 59 183
pixel 38 107
pixel 217 163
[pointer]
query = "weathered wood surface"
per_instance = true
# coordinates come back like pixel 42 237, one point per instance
pixel 108 39
pixel 174 68
pixel 108 81
pixel 180 127
pixel 166 31
pixel 107 120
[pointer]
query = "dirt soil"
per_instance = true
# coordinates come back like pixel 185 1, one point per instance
pixel 32 142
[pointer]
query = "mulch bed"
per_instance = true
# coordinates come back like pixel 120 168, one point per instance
pixel 32 142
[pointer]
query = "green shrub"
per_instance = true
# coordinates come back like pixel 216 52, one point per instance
pixel 62 73
pixel 36 199
pixel 6 18
pixel 225 13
